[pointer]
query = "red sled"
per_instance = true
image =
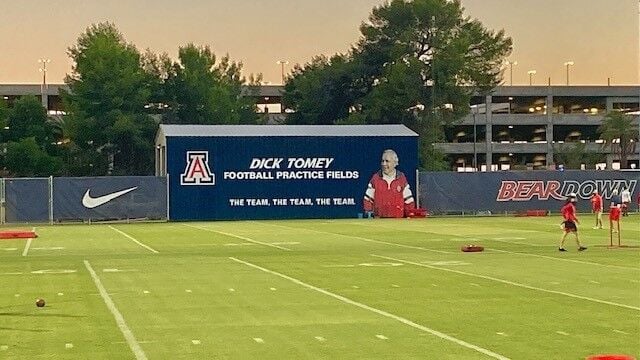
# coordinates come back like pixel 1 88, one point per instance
pixel 417 213
pixel 18 234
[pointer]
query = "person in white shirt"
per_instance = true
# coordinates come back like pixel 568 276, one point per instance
pixel 625 196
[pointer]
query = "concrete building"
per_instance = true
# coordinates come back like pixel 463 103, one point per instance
pixel 514 127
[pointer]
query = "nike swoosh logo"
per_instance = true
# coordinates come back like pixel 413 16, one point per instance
pixel 92 202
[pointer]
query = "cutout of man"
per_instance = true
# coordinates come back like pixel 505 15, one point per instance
pixel 388 193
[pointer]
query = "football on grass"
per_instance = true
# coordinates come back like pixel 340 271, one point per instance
pixel 40 303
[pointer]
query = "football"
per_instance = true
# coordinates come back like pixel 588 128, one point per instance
pixel 40 303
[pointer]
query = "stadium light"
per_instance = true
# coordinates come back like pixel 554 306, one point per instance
pixel 43 70
pixel 567 64
pixel 531 73
pixel 511 63
pixel 282 63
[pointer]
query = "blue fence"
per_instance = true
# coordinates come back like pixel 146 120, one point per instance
pixel 447 192
pixel 84 199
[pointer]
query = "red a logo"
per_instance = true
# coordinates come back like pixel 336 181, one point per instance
pixel 197 171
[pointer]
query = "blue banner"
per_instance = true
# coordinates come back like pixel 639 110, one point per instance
pixel 109 198
pixel 272 177
pixel 27 200
pixel 512 191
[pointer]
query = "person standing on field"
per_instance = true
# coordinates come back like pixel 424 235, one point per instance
pixel 596 206
pixel 625 196
pixel 569 224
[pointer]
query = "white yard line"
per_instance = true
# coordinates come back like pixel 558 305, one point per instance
pixel 133 239
pixel 238 237
pixel 363 239
pixel 503 240
pixel 26 247
pixel 28 244
pixel 568 260
pixel 377 311
pixel 511 283
pixel 122 325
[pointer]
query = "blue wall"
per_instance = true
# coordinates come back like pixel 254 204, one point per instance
pixel 355 158
pixel 512 191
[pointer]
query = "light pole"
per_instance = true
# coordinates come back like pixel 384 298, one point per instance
pixel 282 63
pixel 531 73
pixel 43 70
pixel 567 64
pixel 474 109
pixel 511 63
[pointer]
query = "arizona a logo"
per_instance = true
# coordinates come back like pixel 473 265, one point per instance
pixel 197 171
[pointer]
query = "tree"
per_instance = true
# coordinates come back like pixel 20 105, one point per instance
pixel 25 157
pixel 108 93
pixel 620 134
pixel 200 90
pixel 573 155
pixel 413 58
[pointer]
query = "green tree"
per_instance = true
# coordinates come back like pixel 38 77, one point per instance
pixel 620 134
pixel 109 89
pixel 4 114
pixel 201 90
pixel 413 58
pixel 573 155
pixel 25 157
pixel 28 135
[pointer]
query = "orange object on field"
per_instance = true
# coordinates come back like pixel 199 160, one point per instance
pixel 18 234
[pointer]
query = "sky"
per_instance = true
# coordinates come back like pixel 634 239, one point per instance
pixel 601 37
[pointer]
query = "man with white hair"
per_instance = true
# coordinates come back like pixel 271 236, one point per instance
pixel 388 193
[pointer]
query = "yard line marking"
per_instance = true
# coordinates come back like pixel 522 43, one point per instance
pixel 363 239
pixel 232 290
pixel 620 332
pixel 122 325
pixel 512 283
pixel 60 294
pixel 382 337
pixel 562 333
pixel 568 260
pixel 474 284
pixel 377 311
pixel 593 282
pixel 395 286
pixel 518 243
pixel 240 244
pixel 68 346
pixel 239 237
pixel 273 289
pixel 258 340
pixel 320 338
pixel 26 247
pixel 188 291
pixel 195 342
pixel 133 239
pixel 501 334
pixel 10 249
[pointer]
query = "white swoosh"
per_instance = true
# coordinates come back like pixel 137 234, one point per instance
pixel 91 202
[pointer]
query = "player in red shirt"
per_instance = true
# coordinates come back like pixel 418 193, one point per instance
pixel 569 224
pixel 388 193
pixel 615 209
pixel 596 206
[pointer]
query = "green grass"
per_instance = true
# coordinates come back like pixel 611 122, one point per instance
pixel 317 289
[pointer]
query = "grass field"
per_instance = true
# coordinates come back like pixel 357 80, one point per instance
pixel 316 289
